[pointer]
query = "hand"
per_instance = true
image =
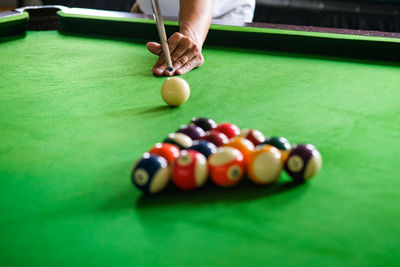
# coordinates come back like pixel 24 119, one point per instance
pixel 185 55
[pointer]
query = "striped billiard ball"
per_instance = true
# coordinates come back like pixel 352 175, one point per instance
pixel 254 136
pixel 151 174
pixel 227 166
pixel 190 170
pixel 303 162
pixel 243 145
pixel 179 139
pixel 264 165
pixel 280 143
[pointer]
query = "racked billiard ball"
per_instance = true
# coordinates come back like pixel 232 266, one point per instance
pixel 280 143
pixel 229 129
pixel 179 139
pixel 303 162
pixel 190 170
pixel 264 165
pixel 215 137
pixel 175 91
pixel 254 136
pixel 193 131
pixel 204 123
pixel 151 174
pixel 167 151
pixel 204 147
pixel 243 145
pixel 227 166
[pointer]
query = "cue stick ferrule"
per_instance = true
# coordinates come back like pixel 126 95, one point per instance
pixel 161 32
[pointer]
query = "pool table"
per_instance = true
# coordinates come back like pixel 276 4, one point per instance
pixel 79 105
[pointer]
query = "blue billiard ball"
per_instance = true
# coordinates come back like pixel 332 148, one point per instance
pixel 204 147
pixel 151 174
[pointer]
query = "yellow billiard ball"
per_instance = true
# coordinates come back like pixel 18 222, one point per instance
pixel 175 91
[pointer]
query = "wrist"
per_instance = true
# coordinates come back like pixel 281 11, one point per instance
pixel 187 31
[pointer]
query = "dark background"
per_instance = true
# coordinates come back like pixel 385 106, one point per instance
pixel 380 15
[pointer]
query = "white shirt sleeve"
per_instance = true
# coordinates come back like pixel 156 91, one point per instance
pixel 230 10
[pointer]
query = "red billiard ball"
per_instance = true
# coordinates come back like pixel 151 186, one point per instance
pixel 243 145
pixel 168 151
pixel 264 165
pixel 255 136
pixel 215 137
pixel 151 174
pixel 229 129
pixel 190 170
pixel 227 166
pixel 303 162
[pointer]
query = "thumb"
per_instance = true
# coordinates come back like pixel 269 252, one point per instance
pixel 154 48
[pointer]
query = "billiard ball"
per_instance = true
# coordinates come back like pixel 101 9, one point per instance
pixel 264 165
pixel 255 136
pixel 303 162
pixel 151 174
pixel 193 131
pixel 204 147
pixel 215 137
pixel 227 166
pixel 179 139
pixel 204 123
pixel 229 129
pixel 167 151
pixel 175 91
pixel 190 170
pixel 243 145
pixel 280 143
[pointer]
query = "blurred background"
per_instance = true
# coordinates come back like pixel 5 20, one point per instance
pixel 380 15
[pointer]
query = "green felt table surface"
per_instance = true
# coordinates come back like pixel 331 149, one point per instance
pixel 76 112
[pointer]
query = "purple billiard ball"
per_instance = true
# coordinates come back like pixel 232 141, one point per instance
pixel 303 162
pixel 192 131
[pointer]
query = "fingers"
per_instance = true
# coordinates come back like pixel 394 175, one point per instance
pixel 154 48
pixel 185 55
pixel 191 64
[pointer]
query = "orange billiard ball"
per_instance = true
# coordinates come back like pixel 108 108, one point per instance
pixel 190 170
pixel 243 145
pixel 167 151
pixel 227 166
pixel 264 165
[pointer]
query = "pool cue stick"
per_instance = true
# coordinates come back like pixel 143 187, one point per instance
pixel 155 5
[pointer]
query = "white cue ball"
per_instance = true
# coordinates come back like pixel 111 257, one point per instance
pixel 175 91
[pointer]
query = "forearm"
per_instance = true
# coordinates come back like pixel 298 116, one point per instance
pixel 195 19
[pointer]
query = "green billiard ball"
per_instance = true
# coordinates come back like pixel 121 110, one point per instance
pixel 280 143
